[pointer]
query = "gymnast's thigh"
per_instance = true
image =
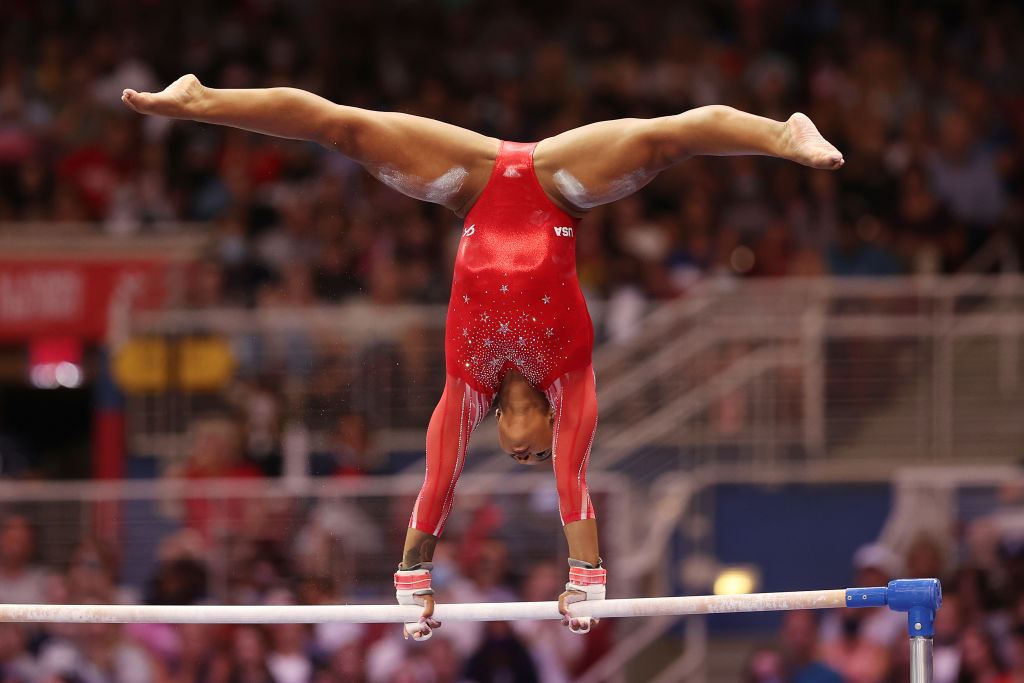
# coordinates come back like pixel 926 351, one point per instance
pixel 420 157
pixel 598 163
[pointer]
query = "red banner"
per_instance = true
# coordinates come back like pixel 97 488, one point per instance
pixel 73 298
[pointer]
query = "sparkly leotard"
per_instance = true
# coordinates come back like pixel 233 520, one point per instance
pixel 515 303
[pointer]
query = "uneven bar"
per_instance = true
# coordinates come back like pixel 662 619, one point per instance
pixel 370 614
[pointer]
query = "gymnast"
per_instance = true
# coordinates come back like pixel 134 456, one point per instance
pixel 517 329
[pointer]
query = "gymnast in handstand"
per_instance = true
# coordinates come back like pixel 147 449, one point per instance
pixel 518 329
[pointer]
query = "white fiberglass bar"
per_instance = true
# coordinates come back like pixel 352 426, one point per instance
pixel 495 611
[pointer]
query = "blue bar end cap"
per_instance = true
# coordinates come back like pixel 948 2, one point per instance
pixel 920 599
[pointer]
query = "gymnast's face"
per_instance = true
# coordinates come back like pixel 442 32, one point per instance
pixel 524 431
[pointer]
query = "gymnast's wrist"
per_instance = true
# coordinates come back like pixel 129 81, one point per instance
pixel 412 583
pixel 587 579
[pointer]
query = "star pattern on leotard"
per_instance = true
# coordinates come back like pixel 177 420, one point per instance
pixel 531 340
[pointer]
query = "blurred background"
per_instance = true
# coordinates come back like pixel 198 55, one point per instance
pixel 219 351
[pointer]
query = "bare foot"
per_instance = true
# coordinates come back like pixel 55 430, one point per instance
pixel 178 100
pixel 804 144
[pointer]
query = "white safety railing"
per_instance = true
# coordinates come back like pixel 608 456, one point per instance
pixel 768 370
pixel 755 370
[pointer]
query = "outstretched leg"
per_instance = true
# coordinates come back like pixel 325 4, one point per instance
pixel 422 158
pixel 602 162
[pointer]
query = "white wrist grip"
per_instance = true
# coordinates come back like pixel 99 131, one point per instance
pixel 588 583
pixel 411 585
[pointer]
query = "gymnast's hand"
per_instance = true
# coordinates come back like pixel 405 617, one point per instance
pixel 579 625
pixel 412 587
pixel 586 582
pixel 179 100
pixel 424 628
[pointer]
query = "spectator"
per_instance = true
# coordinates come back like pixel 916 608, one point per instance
pixel 195 651
pixel 332 636
pixel 980 662
pixel 1015 673
pixel 215 454
pixel 929 235
pixel 16 662
pixel 346 664
pixel 800 652
pixel 20 579
pixel 501 657
pixel 248 656
pixel 858 249
pixel 288 660
pixel 964 175
pixel 856 643
pixel 350 454
pixel 946 652
pixel 554 650
pixel 96 653
pixel 14 461
pixel 764 666
pixel 178 581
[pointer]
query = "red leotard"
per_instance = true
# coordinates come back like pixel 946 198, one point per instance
pixel 516 303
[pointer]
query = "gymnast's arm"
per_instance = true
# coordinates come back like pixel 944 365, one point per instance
pixel 422 158
pixel 575 420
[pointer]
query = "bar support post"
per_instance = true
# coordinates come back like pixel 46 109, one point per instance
pixel 920 659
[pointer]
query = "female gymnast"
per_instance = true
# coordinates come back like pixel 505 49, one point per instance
pixel 518 328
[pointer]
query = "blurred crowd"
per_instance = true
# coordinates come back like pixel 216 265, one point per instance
pixel 268 563
pixel 925 100
pixel 260 555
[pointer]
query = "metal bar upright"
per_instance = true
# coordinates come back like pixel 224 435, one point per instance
pixel 920 659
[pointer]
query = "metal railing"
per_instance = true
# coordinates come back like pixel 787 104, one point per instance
pixel 759 371
pixel 770 370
